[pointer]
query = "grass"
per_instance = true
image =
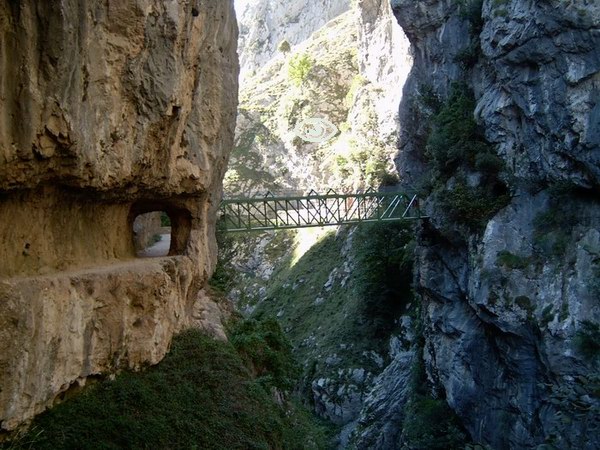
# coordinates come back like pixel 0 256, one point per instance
pixel 201 396
pixel 359 313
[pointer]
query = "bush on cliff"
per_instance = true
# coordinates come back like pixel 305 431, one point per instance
pixel 201 396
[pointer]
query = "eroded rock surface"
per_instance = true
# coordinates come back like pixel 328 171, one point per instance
pixel 506 309
pixel 107 110
pixel 264 24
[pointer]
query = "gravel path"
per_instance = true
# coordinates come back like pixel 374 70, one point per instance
pixel 161 248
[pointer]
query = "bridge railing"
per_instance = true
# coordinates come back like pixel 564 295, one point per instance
pixel 315 210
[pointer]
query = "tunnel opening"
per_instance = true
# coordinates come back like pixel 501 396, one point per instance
pixel 159 229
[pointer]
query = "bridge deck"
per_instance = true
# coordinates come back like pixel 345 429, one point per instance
pixel 314 210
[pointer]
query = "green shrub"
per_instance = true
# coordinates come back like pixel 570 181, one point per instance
pixel 564 312
pixel 165 220
pixel 265 348
pixel 383 273
pixel 587 340
pixel 299 68
pixel 547 315
pixel 358 81
pixel 201 396
pixel 428 98
pixel 284 47
pixel 594 284
pixel 389 179
pixel 454 138
pixel 553 227
pixel 457 141
pixel 431 425
pixel 468 56
pixel 456 146
pixel 488 163
pixel 472 207
pixel 512 261
pixel 524 302
pixel 471 10
pixel 222 278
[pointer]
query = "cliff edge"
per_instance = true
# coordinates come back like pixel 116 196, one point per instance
pixel 108 110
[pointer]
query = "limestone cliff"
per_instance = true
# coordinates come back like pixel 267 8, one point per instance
pixel 107 110
pixel 348 79
pixel 509 286
pixel 264 24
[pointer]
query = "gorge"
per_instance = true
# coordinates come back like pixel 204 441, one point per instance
pixel 476 328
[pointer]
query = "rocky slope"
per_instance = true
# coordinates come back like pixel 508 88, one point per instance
pixel 265 24
pixel 337 74
pixel 107 111
pixel 509 286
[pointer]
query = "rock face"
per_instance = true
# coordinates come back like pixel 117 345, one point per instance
pixel 268 154
pixel 264 24
pixel 108 110
pixel 385 61
pixel 510 312
pixel 145 228
pixel 349 82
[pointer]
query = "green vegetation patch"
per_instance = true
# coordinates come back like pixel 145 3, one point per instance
pixel 299 67
pixel 201 396
pixel 456 140
pixel 165 220
pixel 472 206
pixel 553 228
pixel 587 340
pixel 456 147
pixel 524 302
pixel 548 315
pixel 429 424
pixel 265 349
pixel 355 314
pixel 471 10
pixel 512 261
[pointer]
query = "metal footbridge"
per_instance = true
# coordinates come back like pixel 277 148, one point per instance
pixel 275 212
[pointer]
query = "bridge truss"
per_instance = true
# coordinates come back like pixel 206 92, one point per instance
pixel 314 210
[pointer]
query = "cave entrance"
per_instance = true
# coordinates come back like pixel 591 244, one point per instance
pixel 159 230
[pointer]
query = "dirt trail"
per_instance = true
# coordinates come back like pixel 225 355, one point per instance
pixel 161 248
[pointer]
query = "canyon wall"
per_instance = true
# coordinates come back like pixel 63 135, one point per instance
pixel 265 24
pixel 108 110
pixel 349 80
pixel 508 263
